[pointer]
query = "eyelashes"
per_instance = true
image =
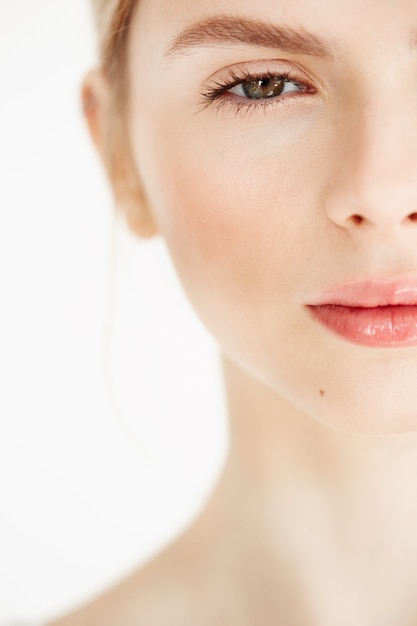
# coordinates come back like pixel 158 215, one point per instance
pixel 246 90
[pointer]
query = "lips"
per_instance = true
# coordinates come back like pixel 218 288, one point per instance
pixel 370 313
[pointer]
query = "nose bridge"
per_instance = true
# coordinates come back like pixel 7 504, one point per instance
pixel 377 175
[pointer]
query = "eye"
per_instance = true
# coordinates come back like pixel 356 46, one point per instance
pixel 243 89
pixel 268 87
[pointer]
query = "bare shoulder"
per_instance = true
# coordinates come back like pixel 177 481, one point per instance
pixel 179 587
pixel 149 596
pixel 205 577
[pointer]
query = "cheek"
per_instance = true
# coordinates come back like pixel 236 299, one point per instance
pixel 245 233
pixel 236 218
pixel 239 213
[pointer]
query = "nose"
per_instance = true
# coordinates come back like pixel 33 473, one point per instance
pixel 374 181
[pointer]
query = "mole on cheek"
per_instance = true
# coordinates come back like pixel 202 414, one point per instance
pixel 322 392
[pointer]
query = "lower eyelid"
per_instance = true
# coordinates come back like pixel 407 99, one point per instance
pixel 240 106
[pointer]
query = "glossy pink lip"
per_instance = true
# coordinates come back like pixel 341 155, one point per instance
pixel 371 313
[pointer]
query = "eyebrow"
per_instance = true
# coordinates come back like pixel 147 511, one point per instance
pixel 231 30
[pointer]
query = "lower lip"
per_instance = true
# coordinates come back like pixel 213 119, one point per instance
pixel 380 327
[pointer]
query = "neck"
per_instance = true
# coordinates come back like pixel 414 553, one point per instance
pixel 340 508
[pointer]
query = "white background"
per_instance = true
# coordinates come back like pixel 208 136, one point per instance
pixel 111 418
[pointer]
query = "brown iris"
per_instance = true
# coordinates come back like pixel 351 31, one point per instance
pixel 263 88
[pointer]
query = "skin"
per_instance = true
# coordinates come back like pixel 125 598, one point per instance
pixel 313 520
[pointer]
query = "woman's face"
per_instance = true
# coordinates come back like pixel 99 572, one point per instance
pixel 276 141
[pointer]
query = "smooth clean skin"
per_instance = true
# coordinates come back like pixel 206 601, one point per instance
pixel 257 205
pixel 264 205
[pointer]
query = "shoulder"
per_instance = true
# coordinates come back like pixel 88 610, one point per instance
pixel 160 593
pixel 183 586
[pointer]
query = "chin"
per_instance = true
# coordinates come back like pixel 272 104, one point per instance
pixel 376 420
pixel 359 391
pixel 367 404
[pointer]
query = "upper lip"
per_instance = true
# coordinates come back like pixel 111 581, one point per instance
pixel 371 293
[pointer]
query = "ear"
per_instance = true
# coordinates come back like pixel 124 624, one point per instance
pixel 113 147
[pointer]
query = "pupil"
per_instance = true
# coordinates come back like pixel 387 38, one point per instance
pixel 264 88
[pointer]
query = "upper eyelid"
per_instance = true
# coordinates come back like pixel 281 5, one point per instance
pixel 262 68
pixel 249 78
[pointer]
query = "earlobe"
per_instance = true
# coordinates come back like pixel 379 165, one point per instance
pixel 113 148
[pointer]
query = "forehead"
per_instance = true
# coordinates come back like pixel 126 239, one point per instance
pixel 338 18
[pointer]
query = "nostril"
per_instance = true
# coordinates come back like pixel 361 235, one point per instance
pixel 413 217
pixel 357 219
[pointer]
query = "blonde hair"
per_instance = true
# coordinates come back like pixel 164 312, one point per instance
pixel 113 19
